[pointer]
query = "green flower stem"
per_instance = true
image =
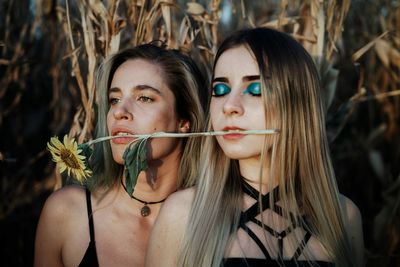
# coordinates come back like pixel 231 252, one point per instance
pixel 182 135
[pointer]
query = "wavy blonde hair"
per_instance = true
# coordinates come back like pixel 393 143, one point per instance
pixel 300 157
pixel 189 87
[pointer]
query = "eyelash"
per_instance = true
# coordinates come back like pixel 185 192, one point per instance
pixel 217 90
pixel 141 98
pixel 113 100
pixel 221 89
pixel 145 99
pixel 253 89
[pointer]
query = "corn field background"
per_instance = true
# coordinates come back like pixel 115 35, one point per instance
pixel 49 50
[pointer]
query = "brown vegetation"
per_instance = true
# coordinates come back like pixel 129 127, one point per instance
pixel 49 51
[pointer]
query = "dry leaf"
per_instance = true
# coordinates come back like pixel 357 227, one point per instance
pixel 4 61
pixel 114 43
pixel 194 8
pixel 367 47
pixel 166 13
pixel 282 22
pixel 183 30
pixel 394 55
pixel 382 49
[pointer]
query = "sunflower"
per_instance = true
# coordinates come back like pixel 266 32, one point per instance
pixel 67 155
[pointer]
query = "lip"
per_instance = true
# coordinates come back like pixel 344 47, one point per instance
pixel 233 135
pixel 121 140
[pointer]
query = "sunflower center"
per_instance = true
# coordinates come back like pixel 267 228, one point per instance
pixel 69 159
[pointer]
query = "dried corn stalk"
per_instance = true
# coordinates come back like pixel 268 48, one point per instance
pixel 104 28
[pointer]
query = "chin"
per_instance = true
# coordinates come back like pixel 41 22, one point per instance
pixel 240 154
pixel 119 161
pixel 117 157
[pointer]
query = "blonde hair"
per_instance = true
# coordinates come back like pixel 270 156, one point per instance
pixel 188 85
pixel 300 157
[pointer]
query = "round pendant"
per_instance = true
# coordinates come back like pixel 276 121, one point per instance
pixel 145 211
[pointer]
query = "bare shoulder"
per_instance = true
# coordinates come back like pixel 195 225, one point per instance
pixel 62 211
pixel 69 192
pixel 175 210
pixel 180 201
pixel 63 206
pixel 350 210
pixel 169 229
pixel 64 201
pixel 353 225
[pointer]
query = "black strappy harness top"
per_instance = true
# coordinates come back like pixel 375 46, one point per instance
pixel 249 221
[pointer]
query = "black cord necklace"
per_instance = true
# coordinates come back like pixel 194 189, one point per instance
pixel 145 210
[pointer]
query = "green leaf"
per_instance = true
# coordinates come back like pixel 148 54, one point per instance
pixel 86 152
pixel 135 162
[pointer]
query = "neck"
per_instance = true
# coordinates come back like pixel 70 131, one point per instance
pixel 150 189
pixel 149 196
pixel 158 181
pixel 253 168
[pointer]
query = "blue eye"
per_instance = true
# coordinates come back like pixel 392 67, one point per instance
pixel 220 89
pixel 253 89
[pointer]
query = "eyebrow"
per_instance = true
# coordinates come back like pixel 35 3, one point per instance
pixel 220 79
pixel 251 78
pixel 245 79
pixel 139 87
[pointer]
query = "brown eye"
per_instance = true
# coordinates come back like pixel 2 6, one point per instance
pixel 145 99
pixel 113 100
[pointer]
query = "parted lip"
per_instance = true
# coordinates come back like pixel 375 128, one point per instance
pixel 232 128
pixel 233 133
pixel 124 138
pixel 117 130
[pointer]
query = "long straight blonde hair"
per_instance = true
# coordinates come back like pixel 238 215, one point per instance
pixel 300 157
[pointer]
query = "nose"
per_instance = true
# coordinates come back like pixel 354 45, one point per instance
pixel 233 105
pixel 123 110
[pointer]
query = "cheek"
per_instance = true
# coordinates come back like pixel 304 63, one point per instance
pixel 214 104
pixel 163 120
pixel 214 121
pixel 109 118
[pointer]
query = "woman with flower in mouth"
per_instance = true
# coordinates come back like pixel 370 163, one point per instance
pixel 261 200
pixel 141 90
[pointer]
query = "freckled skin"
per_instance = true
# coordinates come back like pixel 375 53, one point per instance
pixel 142 111
pixel 140 102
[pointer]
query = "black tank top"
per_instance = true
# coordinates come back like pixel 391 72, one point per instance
pixel 249 221
pixel 90 257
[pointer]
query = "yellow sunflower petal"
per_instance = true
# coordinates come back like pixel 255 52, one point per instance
pixel 62 167
pixel 56 158
pixel 79 175
pixel 67 156
pixel 56 143
pixel 52 148
pixel 66 142
pixel 75 145
pixel 55 151
pixel 88 173
pixel 68 171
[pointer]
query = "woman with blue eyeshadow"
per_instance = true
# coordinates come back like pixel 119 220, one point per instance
pixel 261 200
